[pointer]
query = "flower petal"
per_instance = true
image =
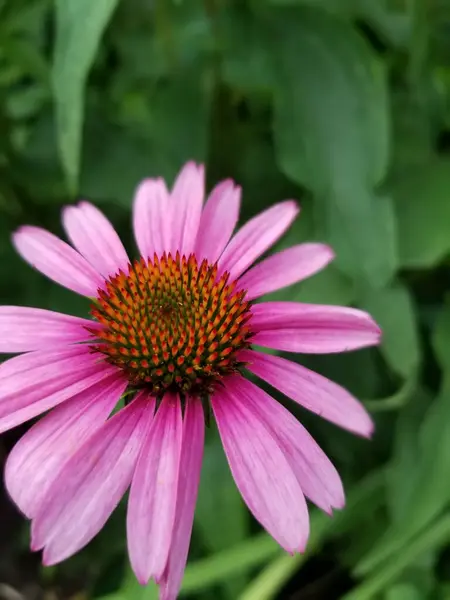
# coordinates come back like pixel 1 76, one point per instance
pixel 23 329
pixel 285 268
pixel 219 218
pixel 318 478
pixel 186 206
pixel 57 260
pixel 91 484
pixel 260 468
pixel 151 218
pixel 313 391
pixel 95 238
pixel 35 461
pixel 189 478
pixel 32 383
pixel 256 236
pixel 312 328
pixel 153 494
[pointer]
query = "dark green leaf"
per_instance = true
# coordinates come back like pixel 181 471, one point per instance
pixel 423 213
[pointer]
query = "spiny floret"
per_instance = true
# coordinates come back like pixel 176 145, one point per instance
pixel 172 324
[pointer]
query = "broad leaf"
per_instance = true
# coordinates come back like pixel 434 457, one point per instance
pixel 393 309
pixel 421 199
pixel 335 143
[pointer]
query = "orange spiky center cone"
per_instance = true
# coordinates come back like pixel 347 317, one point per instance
pixel 171 324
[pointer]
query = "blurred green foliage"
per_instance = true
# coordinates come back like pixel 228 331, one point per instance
pixel 343 104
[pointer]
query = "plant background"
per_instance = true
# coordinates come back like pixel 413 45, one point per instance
pixel 342 104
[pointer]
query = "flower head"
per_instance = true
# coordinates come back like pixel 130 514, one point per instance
pixel 173 332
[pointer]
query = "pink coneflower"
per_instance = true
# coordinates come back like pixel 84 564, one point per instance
pixel 172 332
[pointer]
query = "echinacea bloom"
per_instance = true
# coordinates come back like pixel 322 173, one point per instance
pixel 173 333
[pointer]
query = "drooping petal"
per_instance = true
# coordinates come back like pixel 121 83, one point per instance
pixel 257 236
pixel 151 218
pixel 36 460
pixel 32 383
pixel 313 391
pixel 189 478
pixel 261 470
pixel 312 328
pixel 153 494
pixel 316 474
pixel 219 218
pixel 23 329
pixel 187 201
pixel 57 260
pixel 95 238
pixel 285 268
pixel 91 484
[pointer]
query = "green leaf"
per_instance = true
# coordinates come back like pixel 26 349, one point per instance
pixel 431 538
pixel 336 143
pixel 79 28
pixel 441 338
pixel 421 204
pixel 393 310
pixel 430 493
pixel 403 475
pixel 403 591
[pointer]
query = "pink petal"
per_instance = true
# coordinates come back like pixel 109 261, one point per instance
pixel 313 391
pixel 187 201
pixel 256 236
pixel 32 383
pixel 219 218
pixel 316 474
pixel 260 468
pixel 312 328
pixel 285 268
pixel 36 460
pixel 91 484
pixel 57 260
pixel 23 329
pixel 95 238
pixel 151 218
pixel 190 465
pixel 153 494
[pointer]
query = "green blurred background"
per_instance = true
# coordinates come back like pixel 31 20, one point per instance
pixel 342 104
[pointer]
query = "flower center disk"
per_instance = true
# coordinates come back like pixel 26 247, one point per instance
pixel 171 324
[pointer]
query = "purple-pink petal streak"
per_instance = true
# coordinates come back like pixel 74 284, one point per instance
pixel 318 478
pixel 151 220
pixel 57 260
pixel 186 208
pixel 260 469
pixel 312 328
pixel 32 383
pixel 219 218
pixel 35 461
pixel 95 238
pixel 257 236
pixel 91 484
pixel 285 268
pixel 189 478
pixel 23 329
pixel 313 391
pixel 153 494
